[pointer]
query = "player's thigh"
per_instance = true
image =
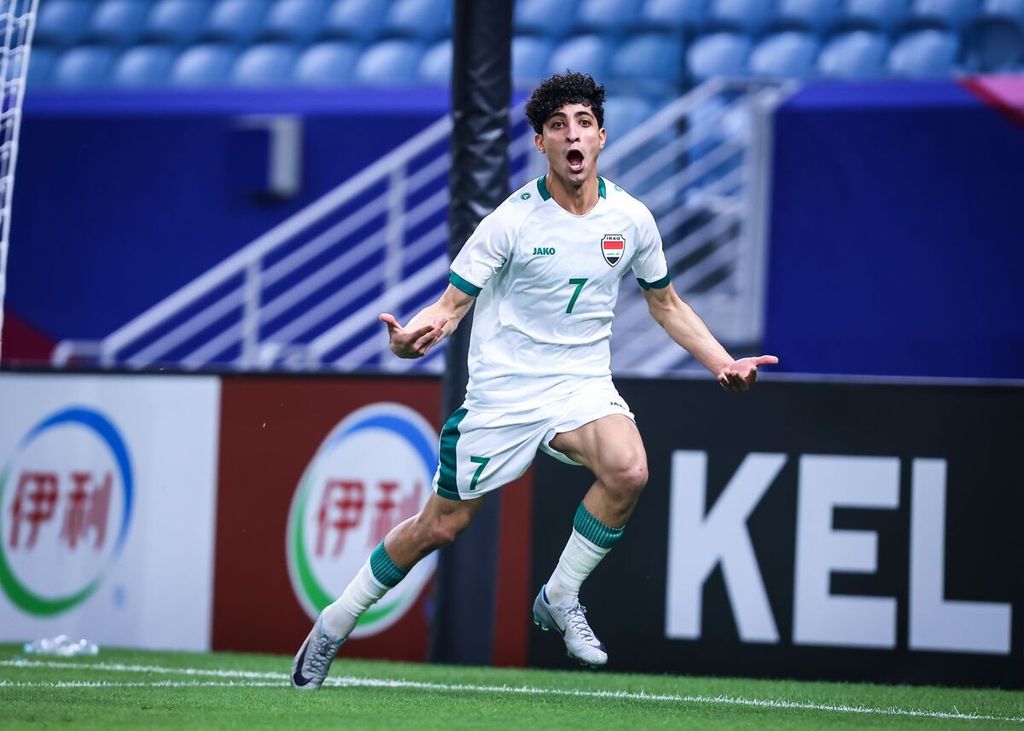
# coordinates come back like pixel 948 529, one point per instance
pixel 608 446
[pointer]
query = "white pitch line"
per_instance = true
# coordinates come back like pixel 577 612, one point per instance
pixel 251 678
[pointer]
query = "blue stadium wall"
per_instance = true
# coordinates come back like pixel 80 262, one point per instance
pixel 897 240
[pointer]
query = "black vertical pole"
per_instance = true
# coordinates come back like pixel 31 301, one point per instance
pixel 463 625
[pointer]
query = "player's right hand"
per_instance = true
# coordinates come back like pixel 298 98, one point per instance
pixel 413 343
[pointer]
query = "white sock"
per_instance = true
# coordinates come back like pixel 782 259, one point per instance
pixel 579 558
pixel 340 616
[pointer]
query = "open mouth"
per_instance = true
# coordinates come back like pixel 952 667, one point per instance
pixel 575 160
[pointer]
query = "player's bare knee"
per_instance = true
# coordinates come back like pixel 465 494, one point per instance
pixel 627 482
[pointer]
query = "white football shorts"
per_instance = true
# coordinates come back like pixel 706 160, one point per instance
pixel 481 451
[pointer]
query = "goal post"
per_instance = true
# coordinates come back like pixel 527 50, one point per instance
pixel 17 23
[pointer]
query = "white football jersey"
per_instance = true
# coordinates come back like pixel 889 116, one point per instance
pixel 546 282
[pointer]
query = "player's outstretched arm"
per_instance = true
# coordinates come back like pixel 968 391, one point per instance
pixel 689 330
pixel 429 326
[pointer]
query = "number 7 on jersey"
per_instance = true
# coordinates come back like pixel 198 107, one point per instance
pixel 575 295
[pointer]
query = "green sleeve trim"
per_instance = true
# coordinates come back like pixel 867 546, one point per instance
pixel 462 285
pixel 542 188
pixel 660 284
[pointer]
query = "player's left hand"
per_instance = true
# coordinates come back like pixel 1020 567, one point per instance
pixel 741 374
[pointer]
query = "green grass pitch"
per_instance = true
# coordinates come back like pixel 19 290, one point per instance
pixel 144 690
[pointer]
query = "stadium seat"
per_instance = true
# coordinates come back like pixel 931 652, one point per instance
pixel 265 64
pixel 673 16
pixel 355 19
pixel 785 55
pixel 880 15
pixel 84 66
pixel 295 21
pixel 117 22
pixel 41 64
pixel 208 64
pixel 389 63
pixel 746 16
pixel 650 63
pixel 426 20
pixel 62 23
pixel 177 21
pixel 718 55
pixel 1011 11
pixel 858 54
pixel 236 21
pixel 924 53
pixel 624 112
pixel 436 66
pixel 144 66
pixel 329 63
pixel 588 54
pixel 950 14
pixel 816 16
pixel 994 45
pixel 607 16
pixel 552 18
pixel 530 56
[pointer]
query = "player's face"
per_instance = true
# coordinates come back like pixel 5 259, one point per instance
pixel 572 140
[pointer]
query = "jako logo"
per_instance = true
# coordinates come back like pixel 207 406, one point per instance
pixel 372 471
pixel 543 250
pixel 65 508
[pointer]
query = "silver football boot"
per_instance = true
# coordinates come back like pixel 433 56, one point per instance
pixel 313 661
pixel 570 619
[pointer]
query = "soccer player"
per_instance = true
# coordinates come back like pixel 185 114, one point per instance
pixel 543 269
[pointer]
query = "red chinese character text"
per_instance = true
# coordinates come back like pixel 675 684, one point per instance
pixel 86 509
pixel 34 503
pixel 341 509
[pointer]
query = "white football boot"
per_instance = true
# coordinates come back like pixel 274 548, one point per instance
pixel 313 661
pixel 570 619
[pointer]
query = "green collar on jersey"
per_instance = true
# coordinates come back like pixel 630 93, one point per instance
pixel 542 187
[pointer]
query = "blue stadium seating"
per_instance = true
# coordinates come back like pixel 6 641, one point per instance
pixel 881 15
pixel 177 21
pixel 606 16
pixel 950 14
pixel 718 54
pixel 436 66
pixel 789 54
pixel 236 21
pixel 588 54
pixel 426 20
pixel 552 18
pixel 924 53
pixel 295 21
pixel 1011 11
pixel 746 16
pixel 816 16
pixel 649 63
pixel 994 44
pixel 530 56
pixel 329 63
pixel 858 54
pixel 84 66
pixel 208 64
pixel 117 22
pixel 624 112
pixel 673 16
pixel 41 64
pixel 389 63
pixel 144 66
pixel 356 19
pixel 62 23
pixel 265 64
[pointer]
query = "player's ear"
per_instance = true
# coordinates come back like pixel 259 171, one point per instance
pixel 603 135
pixel 538 140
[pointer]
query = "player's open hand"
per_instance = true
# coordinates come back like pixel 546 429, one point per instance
pixel 741 374
pixel 412 343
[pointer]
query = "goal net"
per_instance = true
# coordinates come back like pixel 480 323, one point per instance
pixel 17 21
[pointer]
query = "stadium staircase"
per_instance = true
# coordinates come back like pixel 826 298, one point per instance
pixel 306 294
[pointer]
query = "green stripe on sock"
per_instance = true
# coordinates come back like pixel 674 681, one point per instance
pixel 446 480
pixel 384 569
pixel 594 530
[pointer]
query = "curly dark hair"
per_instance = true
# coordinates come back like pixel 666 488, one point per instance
pixel 571 87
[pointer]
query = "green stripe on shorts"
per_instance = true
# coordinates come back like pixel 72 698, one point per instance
pixel 447 485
